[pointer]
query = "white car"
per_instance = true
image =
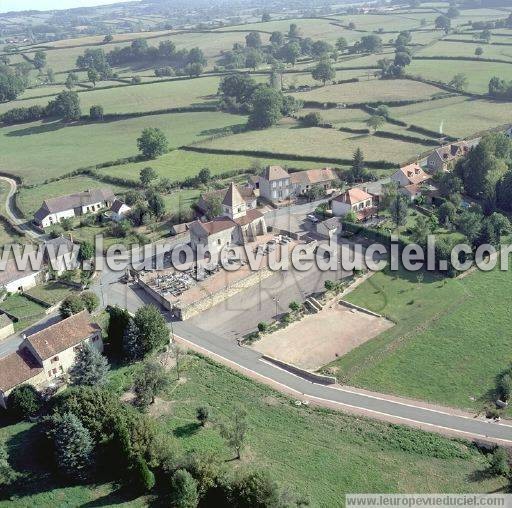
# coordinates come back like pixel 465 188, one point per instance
pixel 312 218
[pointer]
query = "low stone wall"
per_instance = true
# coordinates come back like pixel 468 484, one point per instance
pixel 229 291
pixel 188 311
pixel 306 374
pixel 360 309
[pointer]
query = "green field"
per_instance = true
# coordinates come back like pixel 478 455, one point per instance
pixel 370 91
pixel 179 164
pixel 129 99
pixel 458 116
pixel 39 150
pixel 446 48
pixel 319 143
pixel 478 73
pixel 318 453
pixel 448 345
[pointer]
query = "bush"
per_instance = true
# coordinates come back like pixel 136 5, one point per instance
pixel 499 463
pixel 311 120
pixel 24 401
pixel 21 115
pixel 96 113
pixel 144 479
pixel 262 327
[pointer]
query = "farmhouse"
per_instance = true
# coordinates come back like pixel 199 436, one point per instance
pixel 275 184
pixel 237 224
pixel 119 210
pixel 411 180
pixel 303 181
pixel 443 158
pixel 217 196
pixel 356 200
pixel 47 355
pixel 53 210
pixel 13 279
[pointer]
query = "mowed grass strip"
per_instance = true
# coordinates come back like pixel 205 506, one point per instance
pixel 370 91
pixel 318 142
pixel 39 150
pixel 450 341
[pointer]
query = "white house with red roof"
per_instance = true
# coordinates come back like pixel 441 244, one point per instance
pixel 354 200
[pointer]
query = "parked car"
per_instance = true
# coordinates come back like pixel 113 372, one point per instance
pixel 313 218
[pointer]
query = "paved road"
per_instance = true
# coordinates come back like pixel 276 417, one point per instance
pixel 11 215
pixel 380 406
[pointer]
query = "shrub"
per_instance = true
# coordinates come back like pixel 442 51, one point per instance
pixel 96 112
pixel 262 326
pixel 311 120
pixel 498 464
pixel 24 401
pixel 144 479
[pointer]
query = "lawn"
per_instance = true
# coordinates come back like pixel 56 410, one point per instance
pixel 317 453
pixel 24 309
pixel 38 151
pixel 478 73
pixel 373 22
pixel 319 143
pixel 449 343
pixel 457 116
pixel 370 91
pixel 51 293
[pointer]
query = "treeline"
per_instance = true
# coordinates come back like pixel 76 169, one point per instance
pixel 170 60
pixel 13 81
pixel 66 105
pixel 500 89
pixel 487 25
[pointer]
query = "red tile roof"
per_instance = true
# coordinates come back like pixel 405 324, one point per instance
pixel 353 196
pixel 17 368
pixel 62 335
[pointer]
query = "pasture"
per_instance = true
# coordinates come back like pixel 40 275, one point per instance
pixel 448 345
pixel 40 150
pixel 466 49
pixel 138 98
pixel 318 142
pixel 455 116
pixel 478 73
pixel 370 91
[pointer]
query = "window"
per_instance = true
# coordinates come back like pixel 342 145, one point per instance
pixel 219 241
pixel 54 371
pixel 274 184
pixel 55 359
pixel 49 373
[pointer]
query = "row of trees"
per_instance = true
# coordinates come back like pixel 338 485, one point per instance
pixel 500 89
pixel 171 61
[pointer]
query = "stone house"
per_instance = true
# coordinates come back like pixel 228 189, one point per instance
pixel 14 280
pixel 275 184
pixel 54 210
pixel 119 210
pixel 411 180
pixel 237 225
pixel 47 355
pixel 247 193
pixel 303 181
pixel 443 158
